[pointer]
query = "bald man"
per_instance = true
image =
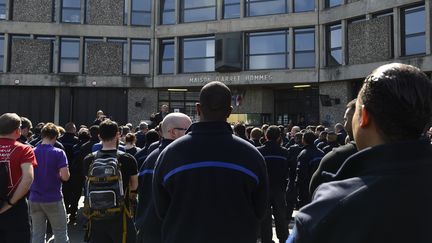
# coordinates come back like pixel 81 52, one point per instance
pixel 210 186
pixel 174 126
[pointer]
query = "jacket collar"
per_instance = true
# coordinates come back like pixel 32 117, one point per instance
pixel 210 128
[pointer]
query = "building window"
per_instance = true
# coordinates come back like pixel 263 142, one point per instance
pixel 140 57
pixel 141 12
pixel 51 40
pixel 304 42
pixel 265 7
pixel 198 10
pixel 166 54
pixel 2 9
pixel 69 55
pixel 304 5
pixel 198 54
pixel 71 11
pixel 168 12
pixel 1 52
pixel 413 31
pixel 267 50
pixel 231 9
pixel 333 3
pixel 123 42
pixel 334 45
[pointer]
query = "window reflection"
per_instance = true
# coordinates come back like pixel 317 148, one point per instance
pixel 304 42
pixel 141 12
pixel 166 54
pixel 69 55
pixel 414 31
pixel 231 9
pixel 265 7
pixel 198 54
pixel 267 50
pixel 168 11
pixel 334 45
pixel 198 10
pixel 71 11
pixel 140 57
pixel 304 5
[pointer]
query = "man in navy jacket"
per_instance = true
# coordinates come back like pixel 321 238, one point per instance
pixel 209 185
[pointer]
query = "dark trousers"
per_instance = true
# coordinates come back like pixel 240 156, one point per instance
pixel 111 230
pixel 72 191
pixel 15 225
pixel 279 210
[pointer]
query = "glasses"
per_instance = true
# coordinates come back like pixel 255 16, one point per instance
pixel 181 129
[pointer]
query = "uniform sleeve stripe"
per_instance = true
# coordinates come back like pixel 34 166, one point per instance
pixel 214 164
pixel 143 172
pixel 275 157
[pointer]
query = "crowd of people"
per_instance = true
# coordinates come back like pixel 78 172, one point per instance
pixel 177 181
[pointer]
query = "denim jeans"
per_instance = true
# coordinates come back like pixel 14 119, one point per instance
pixel 55 212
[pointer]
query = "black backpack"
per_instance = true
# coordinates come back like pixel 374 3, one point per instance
pixel 104 186
pixel 5 177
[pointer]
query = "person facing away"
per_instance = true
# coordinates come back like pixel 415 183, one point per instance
pixel 210 185
pixel 16 162
pixel 116 226
pixel 157 118
pixel 148 225
pixel 276 158
pixel 367 201
pixel 46 199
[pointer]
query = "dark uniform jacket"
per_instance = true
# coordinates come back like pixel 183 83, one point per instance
pixel 210 186
pixel 276 158
pixel 380 194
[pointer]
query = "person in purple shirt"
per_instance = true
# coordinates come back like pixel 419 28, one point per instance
pixel 46 199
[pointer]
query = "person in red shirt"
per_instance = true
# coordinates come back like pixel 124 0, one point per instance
pixel 20 160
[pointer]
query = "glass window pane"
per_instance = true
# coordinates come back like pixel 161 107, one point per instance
pixel 167 4
pixel 200 14
pixel 140 67
pixel 72 3
pixel 231 1
pixel 415 21
pixel 1 46
pixel 267 44
pixel 70 49
pixel 267 62
pixel 333 3
pixel 140 51
pixel 141 18
pixel 305 60
pixel 167 50
pixel 304 5
pixel 141 5
pixel 69 65
pixel 415 45
pixel 199 48
pixel 304 40
pixel 336 56
pixel 336 37
pixel 71 16
pixel 232 11
pixel 266 7
pixel 198 65
pixel 167 67
pixel 168 17
pixel 198 3
pixel 2 9
pixel 1 63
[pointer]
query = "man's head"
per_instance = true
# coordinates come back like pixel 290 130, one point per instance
pixel 130 138
pixel 99 113
pixel 338 127
pixel 174 125
pixel 349 113
pixel 294 130
pixel 273 134
pixel 151 137
pixel 298 138
pixel 94 131
pixel 26 125
pixel 331 137
pixel 10 125
pixel 143 127
pixel 108 130
pixel 394 104
pixel 240 130
pixel 164 109
pixel 308 138
pixel 70 127
pixel 50 131
pixel 256 133
pixel 214 102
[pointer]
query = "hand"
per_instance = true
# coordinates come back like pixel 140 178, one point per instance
pixel 5 208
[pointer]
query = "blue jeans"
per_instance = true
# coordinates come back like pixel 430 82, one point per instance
pixel 55 212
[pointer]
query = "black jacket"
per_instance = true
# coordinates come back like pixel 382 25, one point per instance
pixel 69 140
pixel 330 146
pixel 276 158
pixel 210 186
pixel 330 164
pixel 370 199
pixel 148 224
pixel 293 153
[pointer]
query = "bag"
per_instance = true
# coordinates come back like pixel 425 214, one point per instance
pixel 104 186
pixel 5 177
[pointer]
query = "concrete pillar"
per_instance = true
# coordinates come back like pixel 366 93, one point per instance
pixel 344 42
pixel 57 11
pixel 428 13
pixel 128 4
pixel 177 11
pixel 290 6
pixel 56 51
pixel 5 52
pixel 81 56
pixel 396 33
pixel 83 11
pixel 322 46
pixel 128 55
pixel 57 106
pixel 318 48
pixel 177 61
pixel 242 8
pixel 8 9
pixel 155 53
pixel 291 48
pixel 156 14
pixel 219 9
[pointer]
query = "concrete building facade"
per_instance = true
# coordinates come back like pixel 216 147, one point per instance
pixel 296 61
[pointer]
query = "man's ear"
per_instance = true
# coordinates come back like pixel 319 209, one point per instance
pixel 229 111
pixel 365 118
pixel 198 108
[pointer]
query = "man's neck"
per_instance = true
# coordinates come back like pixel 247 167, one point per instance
pixel 109 145
pixel 10 136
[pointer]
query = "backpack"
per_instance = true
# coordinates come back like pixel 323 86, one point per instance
pixel 104 186
pixel 5 177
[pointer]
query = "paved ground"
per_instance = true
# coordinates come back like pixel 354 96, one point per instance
pixel 76 231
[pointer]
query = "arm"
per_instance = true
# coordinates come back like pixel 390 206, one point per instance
pixel 64 174
pixel 133 182
pixel 23 186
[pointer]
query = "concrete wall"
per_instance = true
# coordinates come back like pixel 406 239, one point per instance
pixel 370 41
pixel 330 115
pixel 31 56
pixel 32 10
pixel 105 12
pixel 149 104
pixel 255 101
pixel 104 58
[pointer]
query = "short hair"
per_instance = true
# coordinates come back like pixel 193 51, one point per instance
pixel 108 129
pixel 143 125
pixel 70 127
pixel 323 134
pixel 249 130
pixel 256 133
pixel 273 133
pixel 152 136
pixel 331 137
pixel 298 137
pixel 352 105
pixel 50 131
pixel 125 130
pixel 215 101
pixel 399 98
pixel 84 134
pixel 339 126
pixel 264 127
pixel 94 131
pixel 130 138
pixel 38 128
pixel 319 128
pixel 26 123
pixel 309 137
pixel 9 122
pixel 240 129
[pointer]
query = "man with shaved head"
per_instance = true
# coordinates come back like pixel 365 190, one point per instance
pixel 370 197
pixel 209 185
pixel 149 226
